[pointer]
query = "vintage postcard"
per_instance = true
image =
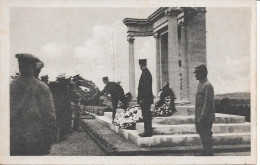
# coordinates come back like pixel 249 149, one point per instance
pixel 128 82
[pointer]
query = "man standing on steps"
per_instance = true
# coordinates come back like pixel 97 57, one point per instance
pixel 204 110
pixel 145 98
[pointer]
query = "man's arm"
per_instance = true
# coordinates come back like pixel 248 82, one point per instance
pixel 208 99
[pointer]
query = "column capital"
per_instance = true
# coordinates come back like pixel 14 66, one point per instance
pixel 130 39
pixel 173 11
pixel 156 35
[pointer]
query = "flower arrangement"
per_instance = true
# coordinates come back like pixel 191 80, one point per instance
pixel 128 119
pixel 166 109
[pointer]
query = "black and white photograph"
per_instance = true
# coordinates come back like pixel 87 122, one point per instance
pixel 128 81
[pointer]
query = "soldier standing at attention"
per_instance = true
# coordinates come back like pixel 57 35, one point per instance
pixel 32 113
pixel 145 98
pixel 116 92
pixel 204 110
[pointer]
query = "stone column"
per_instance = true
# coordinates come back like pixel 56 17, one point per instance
pixel 132 89
pixel 173 54
pixel 185 64
pixel 158 62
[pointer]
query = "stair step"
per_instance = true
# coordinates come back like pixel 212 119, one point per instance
pixel 176 140
pixel 190 140
pixel 159 129
pixel 220 118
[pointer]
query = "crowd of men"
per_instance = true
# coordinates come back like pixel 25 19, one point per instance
pixel 40 111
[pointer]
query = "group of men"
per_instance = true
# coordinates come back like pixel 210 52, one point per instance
pixel 204 108
pixel 34 121
pixel 40 112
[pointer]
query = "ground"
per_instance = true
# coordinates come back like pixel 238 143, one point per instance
pixel 77 144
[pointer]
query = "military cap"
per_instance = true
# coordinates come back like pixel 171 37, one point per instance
pixel 201 68
pixel 44 75
pixel 105 78
pixel 39 65
pixel 142 62
pixel 27 58
pixel 62 75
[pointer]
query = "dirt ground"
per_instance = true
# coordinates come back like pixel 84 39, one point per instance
pixel 77 144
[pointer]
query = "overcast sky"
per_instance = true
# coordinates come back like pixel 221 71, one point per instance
pixel 82 40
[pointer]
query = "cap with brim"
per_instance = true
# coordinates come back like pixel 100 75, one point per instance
pixel 200 68
pixel 61 76
pixel 27 58
pixel 142 61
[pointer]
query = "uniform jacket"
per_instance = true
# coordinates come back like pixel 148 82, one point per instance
pixel 145 93
pixel 32 113
pixel 205 101
pixel 114 89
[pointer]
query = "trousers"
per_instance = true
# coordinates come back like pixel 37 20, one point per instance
pixel 147 118
pixel 203 128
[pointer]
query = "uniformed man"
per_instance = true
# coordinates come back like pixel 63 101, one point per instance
pixel 32 113
pixel 45 78
pixel 204 109
pixel 145 98
pixel 63 96
pixel 116 92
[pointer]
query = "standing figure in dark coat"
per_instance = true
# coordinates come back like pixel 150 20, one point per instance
pixel 117 93
pixel 145 98
pixel 32 113
pixel 204 109
pixel 63 96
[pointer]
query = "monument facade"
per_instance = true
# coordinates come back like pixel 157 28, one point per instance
pixel 180 35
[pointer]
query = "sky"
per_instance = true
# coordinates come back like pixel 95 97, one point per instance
pixel 83 41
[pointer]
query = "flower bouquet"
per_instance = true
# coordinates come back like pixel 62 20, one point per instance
pixel 165 109
pixel 128 119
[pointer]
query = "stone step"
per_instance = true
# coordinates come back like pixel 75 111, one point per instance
pixel 174 119
pixel 159 129
pixel 220 118
pixel 176 140
pixel 189 139
pixel 185 110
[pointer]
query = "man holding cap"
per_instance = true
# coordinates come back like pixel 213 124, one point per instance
pixel 116 92
pixel 204 109
pixel 145 98
pixel 32 113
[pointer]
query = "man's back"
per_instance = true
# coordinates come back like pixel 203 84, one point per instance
pixel 114 89
pixel 32 113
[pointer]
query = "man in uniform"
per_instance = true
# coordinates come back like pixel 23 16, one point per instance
pixel 145 98
pixel 204 109
pixel 63 96
pixel 116 92
pixel 32 113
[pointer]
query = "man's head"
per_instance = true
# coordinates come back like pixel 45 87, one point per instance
pixel 105 80
pixel 142 63
pixel 201 72
pixel 27 63
pixel 61 78
pixel 45 78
